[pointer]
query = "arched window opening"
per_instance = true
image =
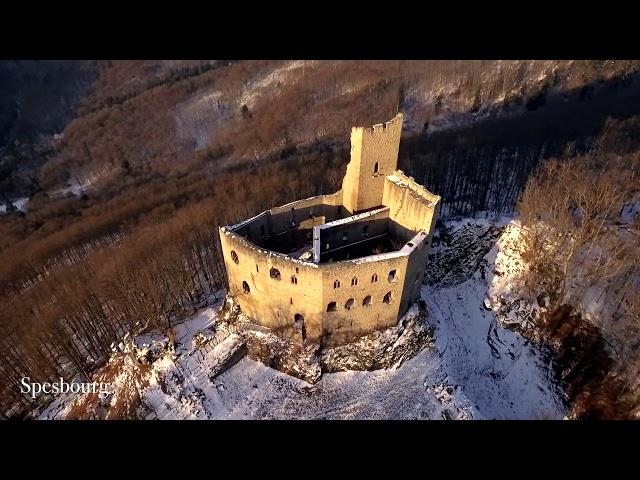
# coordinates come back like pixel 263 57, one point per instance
pixel 298 322
pixel 354 281
pixel 376 167
pixel 336 284
pixel 350 304
pixel 257 269
pixel 245 287
pixel 392 276
pixel 274 273
pixel 374 278
pixel 294 279
pixel 332 307
pixel 367 301
pixel 387 298
pixel 234 256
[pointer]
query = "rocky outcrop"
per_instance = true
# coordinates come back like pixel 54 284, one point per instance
pixel 384 349
pixel 300 361
pixel 388 348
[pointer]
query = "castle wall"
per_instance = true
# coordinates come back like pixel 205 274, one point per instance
pixel 411 207
pixel 374 155
pixel 255 229
pixel 270 302
pixel 344 324
pixel 413 211
pixel 326 207
pixel 416 265
pixel 333 237
pixel 273 229
pixel 274 303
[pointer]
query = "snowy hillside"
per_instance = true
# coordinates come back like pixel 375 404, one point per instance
pixel 501 373
pixel 474 368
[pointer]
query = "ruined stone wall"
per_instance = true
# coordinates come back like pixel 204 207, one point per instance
pixel 255 229
pixel 369 293
pixel 365 284
pixel 273 302
pixel 416 265
pixel 325 208
pixel 306 213
pixel 374 155
pixel 331 237
pixel 411 206
pixel 413 211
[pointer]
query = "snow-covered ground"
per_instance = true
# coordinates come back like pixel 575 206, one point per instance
pixel 20 204
pixel 503 375
pixel 475 369
pixel 281 74
pixel 23 203
pixel 74 187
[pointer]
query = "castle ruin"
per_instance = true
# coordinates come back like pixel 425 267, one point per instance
pixel 332 268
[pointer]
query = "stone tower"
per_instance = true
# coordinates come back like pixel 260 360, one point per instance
pixel 374 155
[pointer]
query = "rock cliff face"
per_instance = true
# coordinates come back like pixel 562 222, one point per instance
pixel 383 349
pixel 300 361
